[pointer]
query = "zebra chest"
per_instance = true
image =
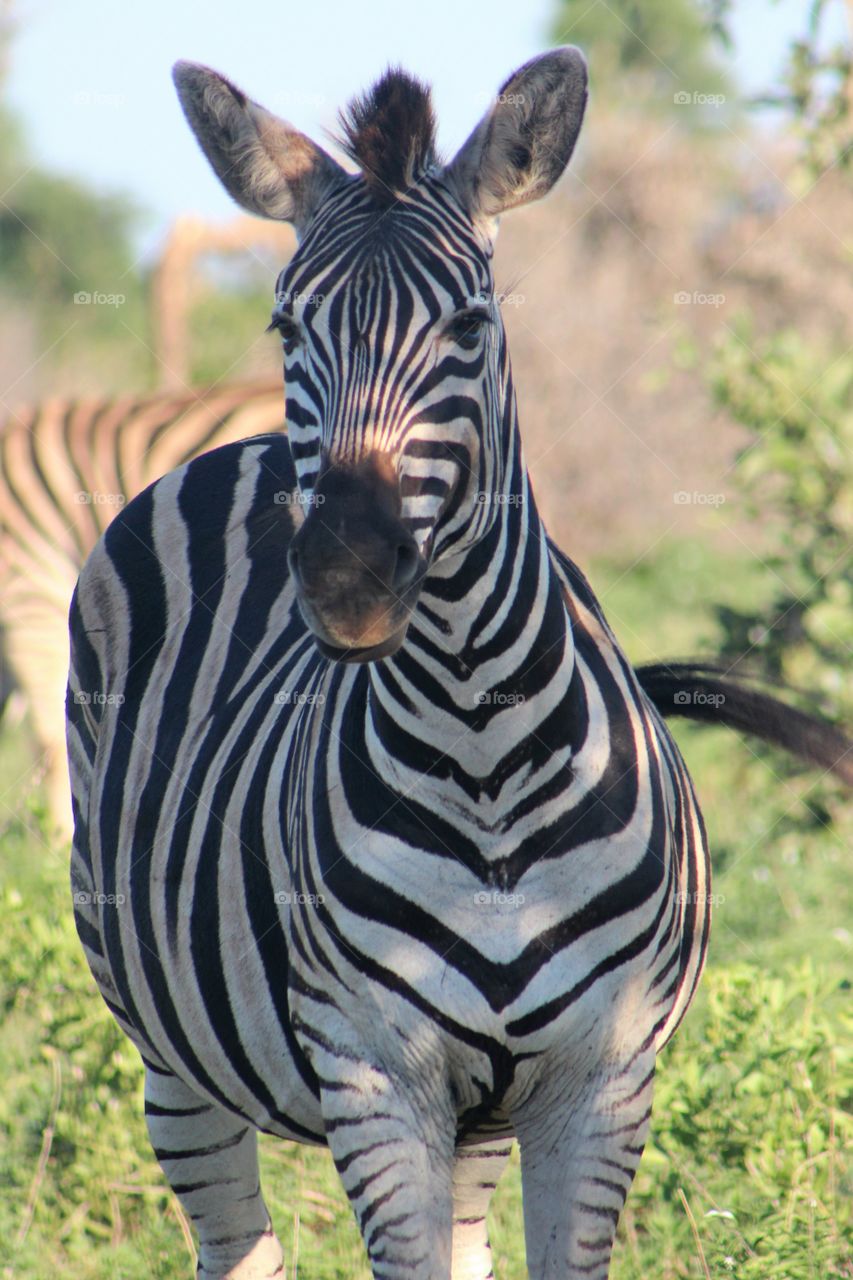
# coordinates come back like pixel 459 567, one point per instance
pixel 479 935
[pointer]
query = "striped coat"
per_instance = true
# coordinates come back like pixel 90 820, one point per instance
pixel 66 467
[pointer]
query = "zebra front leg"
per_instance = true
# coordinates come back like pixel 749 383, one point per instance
pixel 476 1171
pixel 393 1147
pixel 578 1160
pixel 210 1158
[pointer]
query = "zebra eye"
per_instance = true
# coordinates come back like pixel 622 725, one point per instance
pixel 467 327
pixel 288 330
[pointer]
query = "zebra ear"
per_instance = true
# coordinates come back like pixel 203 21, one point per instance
pixel 524 142
pixel 268 167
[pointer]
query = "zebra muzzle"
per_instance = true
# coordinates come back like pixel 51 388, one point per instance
pixel 356 568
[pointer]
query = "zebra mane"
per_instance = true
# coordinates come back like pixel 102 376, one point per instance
pixel 390 133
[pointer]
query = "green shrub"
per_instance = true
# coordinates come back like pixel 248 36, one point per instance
pixel 796 478
pixel 751 1119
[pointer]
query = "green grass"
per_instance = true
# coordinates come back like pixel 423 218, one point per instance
pixel 744 1175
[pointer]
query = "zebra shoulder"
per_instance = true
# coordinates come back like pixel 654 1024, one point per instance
pixel 173 545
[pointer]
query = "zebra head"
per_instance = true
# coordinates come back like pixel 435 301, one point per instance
pixel 400 411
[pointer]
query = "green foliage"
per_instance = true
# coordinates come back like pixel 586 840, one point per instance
pixel 668 44
pixel 57 237
pixel 812 88
pixel 815 90
pixel 70 1073
pixel 228 329
pixel 67 261
pixel 751 1119
pixel 796 477
pixel 13 149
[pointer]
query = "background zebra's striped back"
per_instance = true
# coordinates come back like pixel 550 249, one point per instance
pixel 66 467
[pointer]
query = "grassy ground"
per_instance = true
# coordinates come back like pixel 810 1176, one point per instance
pixel 744 1175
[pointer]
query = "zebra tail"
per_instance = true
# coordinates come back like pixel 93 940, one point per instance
pixel 707 692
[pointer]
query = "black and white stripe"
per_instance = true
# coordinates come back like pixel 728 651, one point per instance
pixel 380 842
pixel 66 467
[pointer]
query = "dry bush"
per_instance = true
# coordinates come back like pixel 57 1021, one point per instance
pixel 609 367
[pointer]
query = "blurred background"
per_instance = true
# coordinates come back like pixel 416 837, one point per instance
pixel 680 314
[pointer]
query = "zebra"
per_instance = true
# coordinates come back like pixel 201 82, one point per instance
pixel 381 843
pixel 66 466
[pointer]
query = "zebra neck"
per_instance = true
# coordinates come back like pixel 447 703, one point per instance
pixel 480 693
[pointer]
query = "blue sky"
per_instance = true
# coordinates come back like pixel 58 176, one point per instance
pixel 90 78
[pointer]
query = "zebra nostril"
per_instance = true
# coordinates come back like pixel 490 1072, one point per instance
pixel 406 565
